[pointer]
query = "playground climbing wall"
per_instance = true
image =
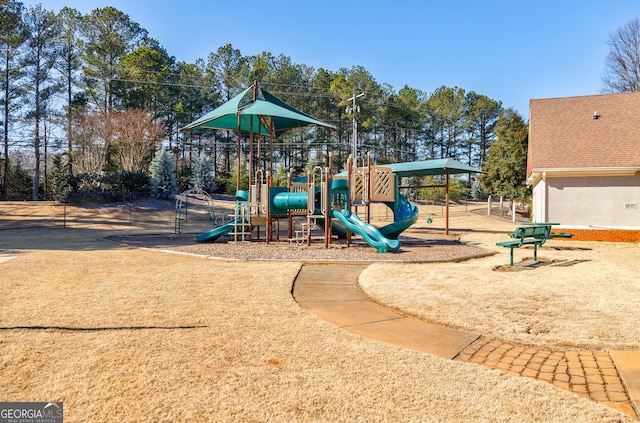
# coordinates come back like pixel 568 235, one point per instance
pixel 382 184
pixel 382 187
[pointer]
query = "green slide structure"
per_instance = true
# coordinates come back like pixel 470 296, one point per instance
pixel 405 214
pixel 242 197
pixel 383 239
pixel 216 233
pixel 369 233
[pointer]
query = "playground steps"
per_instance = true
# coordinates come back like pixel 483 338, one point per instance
pixel 303 233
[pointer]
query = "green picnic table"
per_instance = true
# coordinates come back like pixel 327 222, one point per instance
pixel 531 233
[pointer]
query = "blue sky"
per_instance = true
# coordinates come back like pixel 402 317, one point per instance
pixel 511 51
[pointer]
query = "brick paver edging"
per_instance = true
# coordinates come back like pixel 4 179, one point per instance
pixel 590 374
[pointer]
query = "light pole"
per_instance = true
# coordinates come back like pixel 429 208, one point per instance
pixel 353 110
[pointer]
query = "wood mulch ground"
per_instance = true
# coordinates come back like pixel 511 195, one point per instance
pixel 420 246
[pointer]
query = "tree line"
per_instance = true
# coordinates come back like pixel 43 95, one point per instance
pixel 84 96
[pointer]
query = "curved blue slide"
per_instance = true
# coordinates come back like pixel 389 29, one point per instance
pixel 405 214
pixel 369 233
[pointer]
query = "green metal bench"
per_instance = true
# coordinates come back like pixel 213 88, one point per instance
pixel 535 234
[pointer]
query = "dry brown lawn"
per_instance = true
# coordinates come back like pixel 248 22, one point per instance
pixel 129 334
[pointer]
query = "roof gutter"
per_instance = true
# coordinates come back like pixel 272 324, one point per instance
pixel 539 173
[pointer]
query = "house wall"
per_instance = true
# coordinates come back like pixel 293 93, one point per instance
pixel 539 202
pixel 608 201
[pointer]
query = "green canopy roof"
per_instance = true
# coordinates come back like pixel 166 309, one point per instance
pixel 431 167
pixel 223 117
pixel 260 116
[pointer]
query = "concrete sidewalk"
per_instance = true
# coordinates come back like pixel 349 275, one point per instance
pixel 331 292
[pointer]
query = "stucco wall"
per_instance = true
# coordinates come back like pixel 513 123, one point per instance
pixel 609 201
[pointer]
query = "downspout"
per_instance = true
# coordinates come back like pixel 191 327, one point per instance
pixel 446 220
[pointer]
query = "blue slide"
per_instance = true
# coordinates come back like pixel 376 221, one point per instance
pixel 368 232
pixel 216 233
pixel 405 214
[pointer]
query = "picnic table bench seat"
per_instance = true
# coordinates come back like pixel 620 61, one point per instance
pixel 560 235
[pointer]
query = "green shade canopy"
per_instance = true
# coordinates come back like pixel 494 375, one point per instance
pixel 431 167
pixel 260 115
pixel 223 117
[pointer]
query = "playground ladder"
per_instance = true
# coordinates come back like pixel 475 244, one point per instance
pixel 240 222
pixel 305 230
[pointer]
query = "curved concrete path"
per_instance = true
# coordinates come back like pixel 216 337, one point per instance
pixel 331 292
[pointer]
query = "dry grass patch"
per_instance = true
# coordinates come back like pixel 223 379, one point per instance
pixel 138 335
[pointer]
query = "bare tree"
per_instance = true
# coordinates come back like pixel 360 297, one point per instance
pixel 90 150
pixel 622 67
pixel 134 135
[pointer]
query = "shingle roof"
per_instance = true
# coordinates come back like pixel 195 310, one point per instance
pixel 563 133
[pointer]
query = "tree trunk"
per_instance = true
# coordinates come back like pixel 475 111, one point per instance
pixel 36 150
pixel 5 172
pixel 69 120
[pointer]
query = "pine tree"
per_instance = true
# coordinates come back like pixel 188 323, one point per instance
pixel 280 178
pixel 59 177
pixel 202 175
pixel 68 53
pixel 163 180
pixel 477 190
pixel 13 34
pixel 39 61
pixel 109 35
pixel 506 164
pixel 19 180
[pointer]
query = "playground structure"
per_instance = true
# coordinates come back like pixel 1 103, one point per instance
pixel 320 200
